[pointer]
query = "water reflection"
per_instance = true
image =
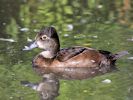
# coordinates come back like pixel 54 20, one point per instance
pixel 85 23
pixel 8 10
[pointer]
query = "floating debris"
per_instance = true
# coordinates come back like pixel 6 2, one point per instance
pixel 108 43
pixel 24 29
pixel 106 81
pixel 100 6
pixel 70 27
pixel 11 97
pixel 95 36
pixel 131 58
pixel 66 35
pixel 130 39
pixel 3 23
pixel 7 40
pixel 83 21
pixel 85 91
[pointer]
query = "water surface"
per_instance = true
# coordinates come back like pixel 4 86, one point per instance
pixel 76 25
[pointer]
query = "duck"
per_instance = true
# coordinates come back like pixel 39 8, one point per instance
pixel 72 63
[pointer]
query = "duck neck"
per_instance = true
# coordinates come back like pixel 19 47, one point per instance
pixel 48 54
pixel 52 49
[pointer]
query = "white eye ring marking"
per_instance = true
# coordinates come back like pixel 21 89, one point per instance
pixel 44 37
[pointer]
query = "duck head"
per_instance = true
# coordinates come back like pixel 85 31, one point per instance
pixel 48 40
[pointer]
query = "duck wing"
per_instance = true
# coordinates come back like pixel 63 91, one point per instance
pixel 67 53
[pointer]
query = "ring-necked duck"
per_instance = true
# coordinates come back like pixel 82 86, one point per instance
pixel 70 63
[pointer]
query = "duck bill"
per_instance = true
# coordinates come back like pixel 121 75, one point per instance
pixel 31 46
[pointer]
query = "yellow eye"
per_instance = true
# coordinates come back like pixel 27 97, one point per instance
pixel 44 37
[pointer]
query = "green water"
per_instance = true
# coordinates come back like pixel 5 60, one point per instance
pixel 76 25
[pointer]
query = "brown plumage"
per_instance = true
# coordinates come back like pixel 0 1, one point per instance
pixel 70 63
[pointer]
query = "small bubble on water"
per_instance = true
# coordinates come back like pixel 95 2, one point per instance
pixel 106 81
pixel 70 27
pixel 66 35
pixel 11 97
pixel 85 91
pixel 24 29
pixel 3 23
pixel 100 6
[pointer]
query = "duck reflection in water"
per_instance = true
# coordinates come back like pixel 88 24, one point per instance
pixel 69 63
pixel 48 89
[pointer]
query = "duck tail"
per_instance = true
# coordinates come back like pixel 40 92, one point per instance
pixel 113 57
pixel 120 54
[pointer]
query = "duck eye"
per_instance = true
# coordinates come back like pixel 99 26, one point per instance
pixel 44 37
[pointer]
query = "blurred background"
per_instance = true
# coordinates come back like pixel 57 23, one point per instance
pixel 101 24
